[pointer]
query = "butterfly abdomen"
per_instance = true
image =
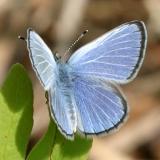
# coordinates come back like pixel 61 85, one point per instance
pixel 64 84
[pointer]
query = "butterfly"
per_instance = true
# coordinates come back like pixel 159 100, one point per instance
pixel 82 91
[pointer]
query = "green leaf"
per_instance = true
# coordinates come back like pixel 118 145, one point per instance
pixel 43 149
pixel 71 150
pixel 53 146
pixel 16 111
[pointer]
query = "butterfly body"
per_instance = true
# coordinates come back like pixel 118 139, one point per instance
pixel 64 90
pixel 83 92
pixel 63 76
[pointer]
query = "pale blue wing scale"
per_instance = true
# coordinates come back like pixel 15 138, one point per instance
pixel 62 111
pixel 41 58
pixel 100 106
pixel 117 55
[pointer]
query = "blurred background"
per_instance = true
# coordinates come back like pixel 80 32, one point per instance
pixel 60 22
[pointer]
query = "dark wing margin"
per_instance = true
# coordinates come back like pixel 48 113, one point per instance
pixel 143 32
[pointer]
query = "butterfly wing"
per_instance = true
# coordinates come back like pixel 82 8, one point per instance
pixel 46 69
pixel 62 111
pixel 100 106
pixel 41 58
pixel 117 55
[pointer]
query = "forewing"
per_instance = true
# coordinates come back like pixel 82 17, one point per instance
pixel 41 58
pixel 117 55
pixel 100 106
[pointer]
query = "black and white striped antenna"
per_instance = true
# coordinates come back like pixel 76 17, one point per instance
pixel 75 42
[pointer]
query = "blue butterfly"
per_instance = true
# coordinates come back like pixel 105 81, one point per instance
pixel 83 95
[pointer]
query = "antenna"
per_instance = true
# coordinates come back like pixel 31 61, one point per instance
pixel 80 37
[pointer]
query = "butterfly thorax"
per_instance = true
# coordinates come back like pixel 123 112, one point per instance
pixel 64 80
